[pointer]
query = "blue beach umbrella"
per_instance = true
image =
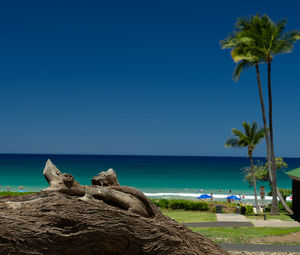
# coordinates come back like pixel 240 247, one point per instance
pixel 233 197
pixel 204 196
pixel 22 190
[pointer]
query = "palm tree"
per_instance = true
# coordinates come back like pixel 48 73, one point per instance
pixel 244 52
pixel 254 41
pixel 250 139
pixel 271 41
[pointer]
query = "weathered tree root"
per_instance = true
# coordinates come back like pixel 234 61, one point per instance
pixel 69 218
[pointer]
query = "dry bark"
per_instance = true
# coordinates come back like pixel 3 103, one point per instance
pixel 68 218
pixel 108 178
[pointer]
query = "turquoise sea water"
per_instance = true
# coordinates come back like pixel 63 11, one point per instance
pixel 151 174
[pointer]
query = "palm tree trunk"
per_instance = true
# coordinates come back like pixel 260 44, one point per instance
pixel 254 182
pixel 274 208
pixel 275 190
pixel 264 121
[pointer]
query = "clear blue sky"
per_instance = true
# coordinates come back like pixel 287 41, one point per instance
pixel 136 77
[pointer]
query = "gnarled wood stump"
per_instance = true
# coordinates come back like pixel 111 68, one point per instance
pixel 69 218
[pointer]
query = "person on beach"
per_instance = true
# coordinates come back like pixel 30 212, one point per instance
pixel 212 197
pixel 237 209
pixel 243 209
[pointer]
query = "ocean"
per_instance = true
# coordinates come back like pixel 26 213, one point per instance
pixel 156 176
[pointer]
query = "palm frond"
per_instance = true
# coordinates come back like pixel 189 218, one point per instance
pixel 251 136
pixel 240 67
pixel 258 39
pixel 238 133
pixel 232 142
pixel 253 129
pixel 246 128
pixel 280 24
pixel 258 135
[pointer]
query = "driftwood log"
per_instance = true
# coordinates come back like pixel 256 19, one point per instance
pixel 69 218
pixel 108 178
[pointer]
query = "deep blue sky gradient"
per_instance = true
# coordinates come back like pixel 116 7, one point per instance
pixel 136 77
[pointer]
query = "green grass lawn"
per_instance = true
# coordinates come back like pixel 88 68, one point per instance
pixel 13 194
pixel 241 234
pixel 189 216
pixel 228 234
pixel 282 216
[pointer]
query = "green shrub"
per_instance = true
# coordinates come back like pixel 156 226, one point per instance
pixel 162 203
pixel 213 209
pixel 178 204
pixel 181 204
pixel 284 192
pixel 155 201
pixel 280 207
pixel 13 193
pixel 268 208
pixel 188 205
pixel 249 209
pixel 198 206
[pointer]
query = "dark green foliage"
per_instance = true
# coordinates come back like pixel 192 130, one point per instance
pixel 251 137
pixel 197 206
pixel 188 205
pixel 162 203
pixel 280 207
pixel 249 209
pixel 258 39
pixel 261 172
pixel 284 192
pixel 181 204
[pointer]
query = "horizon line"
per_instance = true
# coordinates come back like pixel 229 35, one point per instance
pixel 129 155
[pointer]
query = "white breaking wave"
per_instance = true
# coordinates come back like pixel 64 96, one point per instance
pixel 193 195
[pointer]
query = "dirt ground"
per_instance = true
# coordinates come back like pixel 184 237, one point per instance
pixel 289 238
